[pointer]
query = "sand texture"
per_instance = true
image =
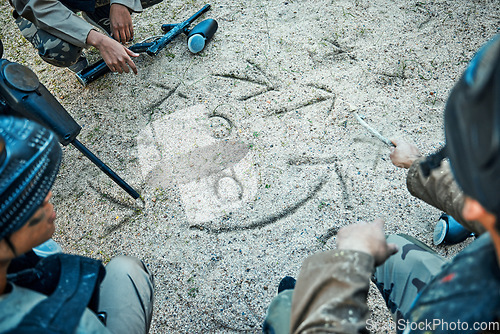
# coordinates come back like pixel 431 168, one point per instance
pixel 247 155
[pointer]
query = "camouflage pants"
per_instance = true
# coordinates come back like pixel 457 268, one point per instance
pixel 50 48
pixel 399 279
pixel 403 275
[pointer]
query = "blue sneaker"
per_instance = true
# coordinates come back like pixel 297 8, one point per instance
pixel 449 232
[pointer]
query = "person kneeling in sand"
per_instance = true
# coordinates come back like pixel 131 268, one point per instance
pixel 60 35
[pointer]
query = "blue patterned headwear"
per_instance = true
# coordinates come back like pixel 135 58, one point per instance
pixel 30 157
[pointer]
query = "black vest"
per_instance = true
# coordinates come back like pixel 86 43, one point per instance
pixel 71 284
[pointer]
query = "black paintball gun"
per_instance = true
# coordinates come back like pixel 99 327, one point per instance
pixel 196 41
pixel 22 94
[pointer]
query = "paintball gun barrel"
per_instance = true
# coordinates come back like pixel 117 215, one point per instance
pixel 22 94
pixel 196 39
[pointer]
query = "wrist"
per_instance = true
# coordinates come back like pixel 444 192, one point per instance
pixel 355 247
pixel 117 5
pixel 412 159
pixel 95 38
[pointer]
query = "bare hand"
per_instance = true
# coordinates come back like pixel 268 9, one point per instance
pixel 122 28
pixel 368 238
pixel 115 55
pixel 404 154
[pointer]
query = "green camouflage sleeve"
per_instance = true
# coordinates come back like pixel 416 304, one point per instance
pixel 330 293
pixel 440 190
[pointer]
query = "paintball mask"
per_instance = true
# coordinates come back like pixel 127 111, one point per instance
pixel 30 156
pixel 472 129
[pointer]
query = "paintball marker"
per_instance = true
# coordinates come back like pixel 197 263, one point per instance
pixel 22 94
pixel 196 41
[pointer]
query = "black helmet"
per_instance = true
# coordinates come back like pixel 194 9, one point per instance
pixel 30 156
pixel 472 128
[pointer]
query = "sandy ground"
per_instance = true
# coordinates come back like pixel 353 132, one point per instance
pixel 246 155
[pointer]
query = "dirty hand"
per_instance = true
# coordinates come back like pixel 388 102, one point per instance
pixel 403 154
pixel 115 55
pixel 122 28
pixel 368 238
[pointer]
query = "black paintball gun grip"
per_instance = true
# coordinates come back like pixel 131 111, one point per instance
pixel 176 30
pixel 99 68
pixel 22 94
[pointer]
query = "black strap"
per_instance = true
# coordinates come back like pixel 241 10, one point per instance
pixel 433 161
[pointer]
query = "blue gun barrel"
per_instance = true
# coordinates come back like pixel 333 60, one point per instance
pixel 178 29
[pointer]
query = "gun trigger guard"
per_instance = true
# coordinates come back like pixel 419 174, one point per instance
pixel 169 26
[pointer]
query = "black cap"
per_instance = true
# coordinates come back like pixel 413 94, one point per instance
pixel 30 157
pixel 472 128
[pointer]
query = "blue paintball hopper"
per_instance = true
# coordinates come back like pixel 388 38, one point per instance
pixel 449 232
pixel 199 36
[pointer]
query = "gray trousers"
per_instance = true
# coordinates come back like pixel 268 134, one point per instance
pixel 399 279
pixel 126 296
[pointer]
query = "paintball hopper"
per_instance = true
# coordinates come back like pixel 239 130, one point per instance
pixel 449 232
pixel 199 36
pixel 27 97
pixel 22 95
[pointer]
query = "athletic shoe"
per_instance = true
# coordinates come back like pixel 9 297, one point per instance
pixel 80 64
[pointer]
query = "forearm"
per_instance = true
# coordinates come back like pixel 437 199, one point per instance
pixel 95 39
pixel 332 286
pixel 440 190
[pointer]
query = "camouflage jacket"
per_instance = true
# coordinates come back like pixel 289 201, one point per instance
pixel 331 291
pixel 441 191
pixel 55 18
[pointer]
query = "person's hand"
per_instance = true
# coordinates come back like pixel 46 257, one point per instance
pixel 404 154
pixel 120 19
pixel 115 55
pixel 368 238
